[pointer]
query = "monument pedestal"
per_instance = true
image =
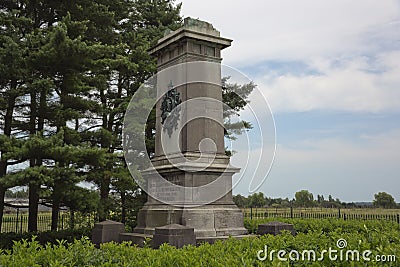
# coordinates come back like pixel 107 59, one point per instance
pixel 192 204
pixel 208 221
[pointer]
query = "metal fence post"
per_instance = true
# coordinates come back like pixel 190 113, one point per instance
pixel 16 221
pixel 22 218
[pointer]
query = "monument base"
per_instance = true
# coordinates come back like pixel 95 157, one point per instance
pixel 208 221
pixel 198 193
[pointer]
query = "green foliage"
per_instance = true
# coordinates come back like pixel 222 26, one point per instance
pixel 384 200
pixel 8 239
pixel 326 225
pixel 257 200
pixel 235 96
pixel 379 237
pixel 81 199
pixel 241 201
pixel 304 198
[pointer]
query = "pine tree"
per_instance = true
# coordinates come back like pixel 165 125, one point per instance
pixel 13 61
pixel 141 24
pixel 55 89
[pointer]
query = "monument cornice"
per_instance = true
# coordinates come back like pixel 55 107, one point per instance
pixel 192 167
pixel 185 33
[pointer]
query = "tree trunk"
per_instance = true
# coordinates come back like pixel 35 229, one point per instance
pixel 104 183
pixel 54 215
pixel 2 194
pixel 3 170
pixel 72 219
pixel 123 207
pixel 33 206
pixel 33 185
pixel 7 132
pixel 55 209
pixel 104 190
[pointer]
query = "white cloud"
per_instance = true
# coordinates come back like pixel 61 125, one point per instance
pixel 375 149
pixel 337 39
pixel 298 30
pixel 354 86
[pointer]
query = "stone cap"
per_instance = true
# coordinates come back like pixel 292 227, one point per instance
pixel 195 29
pixel 174 229
pixel 197 26
pixel 108 222
pixel 275 228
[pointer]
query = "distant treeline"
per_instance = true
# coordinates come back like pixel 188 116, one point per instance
pixel 306 199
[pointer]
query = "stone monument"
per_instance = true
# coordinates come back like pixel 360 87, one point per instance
pixel 189 145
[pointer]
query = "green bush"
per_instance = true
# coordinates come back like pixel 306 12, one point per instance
pixel 7 239
pixel 325 225
pixel 382 238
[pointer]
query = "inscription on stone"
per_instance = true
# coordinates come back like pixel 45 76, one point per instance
pixel 167 191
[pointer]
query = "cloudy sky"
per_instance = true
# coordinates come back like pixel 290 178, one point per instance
pixel 331 73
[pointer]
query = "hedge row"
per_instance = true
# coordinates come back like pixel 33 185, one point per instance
pixel 381 238
pixel 8 239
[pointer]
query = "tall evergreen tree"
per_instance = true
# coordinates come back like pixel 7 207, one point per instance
pixel 55 95
pixel 137 26
pixel 13 72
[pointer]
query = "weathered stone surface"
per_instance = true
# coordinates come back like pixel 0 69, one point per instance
pixel 275 228
pixel 107 231
pixel 209 220
pixel 174 234
pixel 229 221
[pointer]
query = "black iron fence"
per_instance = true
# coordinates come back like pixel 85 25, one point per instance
pixel 18 222
pixel 339 214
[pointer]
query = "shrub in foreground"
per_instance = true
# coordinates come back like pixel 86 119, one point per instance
pixel 381 238
pixel 7 239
